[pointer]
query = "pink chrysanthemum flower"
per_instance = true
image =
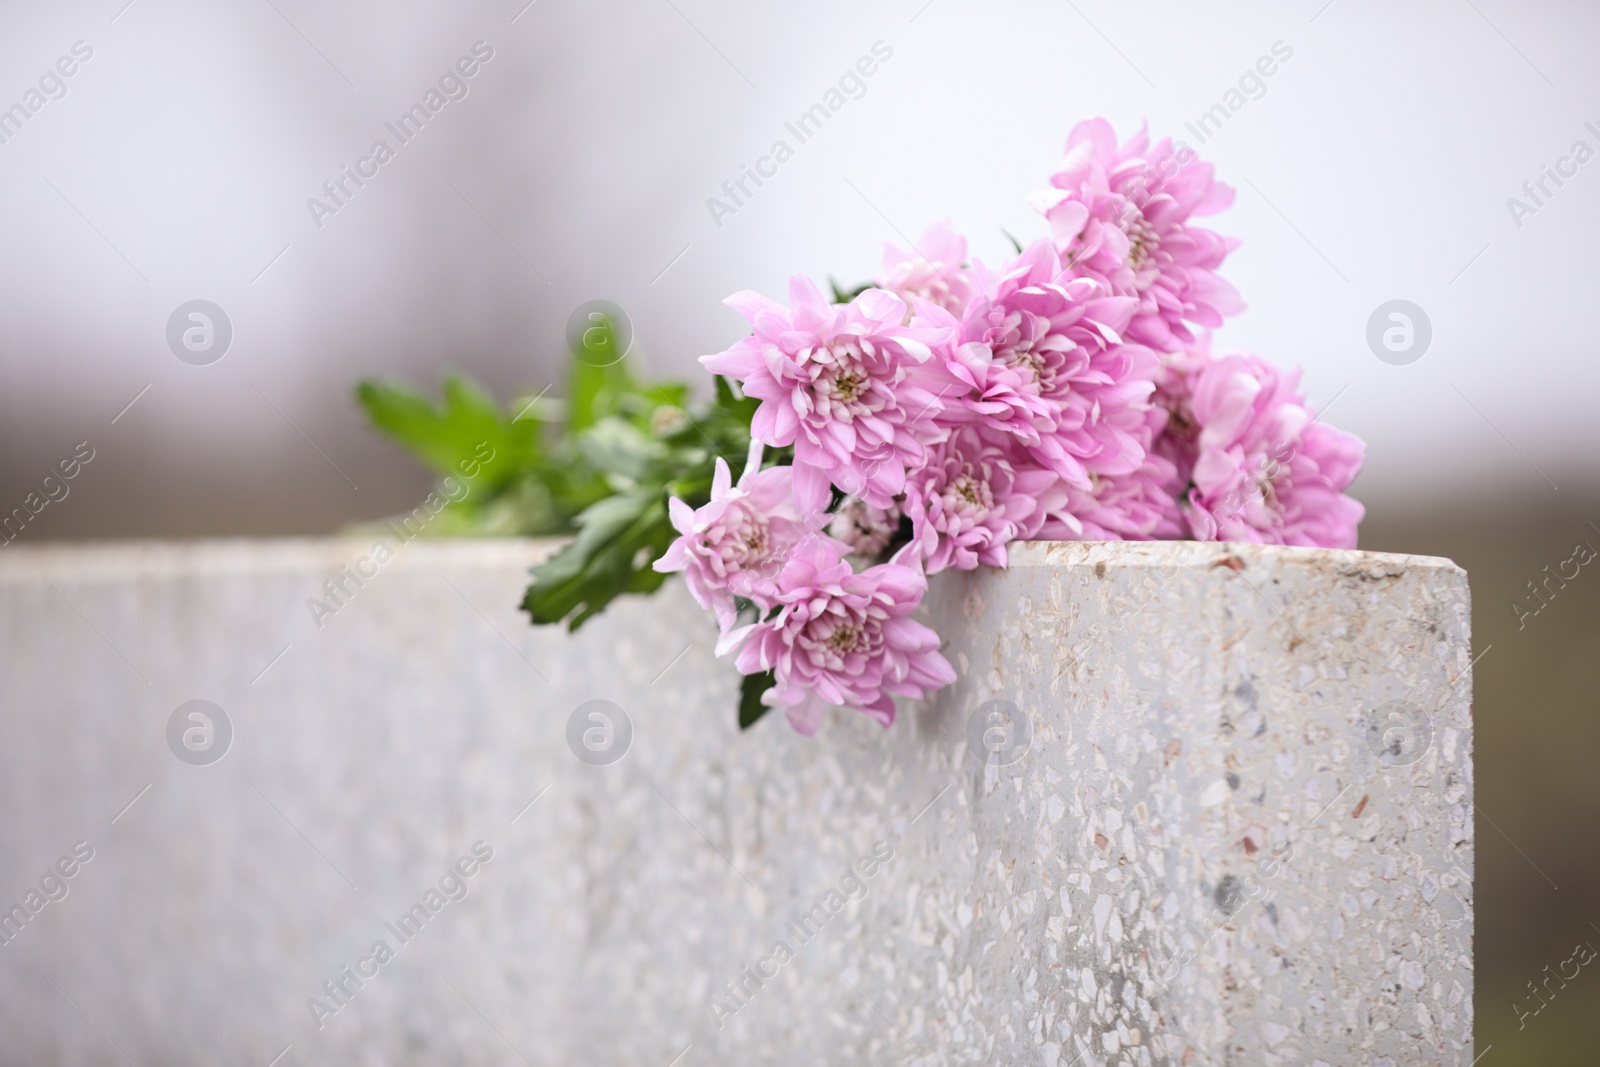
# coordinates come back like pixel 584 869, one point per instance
pixel 1121 215
pixel 1062 334
pixel 842 639
pixel 934 270
pixel 865 529
pixel 978 389
pixel 1265 471
pixel 1141 506
pixel 843 384
pixel 972 499
pixel 736 545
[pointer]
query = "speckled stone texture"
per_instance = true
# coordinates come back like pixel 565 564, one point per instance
pixel 1241 832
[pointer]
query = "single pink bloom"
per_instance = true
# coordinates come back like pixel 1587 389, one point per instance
pixel 846 385
pixel 1121 214
pixel 976 388
pixel 973 498
pixel 842 639
pixel 1061 333
pixel 1265 471
pixel 737 543
pixel 934 270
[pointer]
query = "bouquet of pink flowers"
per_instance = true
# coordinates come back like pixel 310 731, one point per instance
pixel 929 419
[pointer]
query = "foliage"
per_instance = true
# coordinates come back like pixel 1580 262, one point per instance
pixel 600 464
pixel 751 686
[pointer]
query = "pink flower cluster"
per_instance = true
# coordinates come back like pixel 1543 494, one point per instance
pixel 1069 393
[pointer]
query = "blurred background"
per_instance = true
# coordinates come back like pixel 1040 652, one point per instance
pixel 1396 154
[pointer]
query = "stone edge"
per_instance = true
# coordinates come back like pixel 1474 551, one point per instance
pixel 100 560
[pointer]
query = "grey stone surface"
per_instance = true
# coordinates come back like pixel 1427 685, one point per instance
pixel 1217 849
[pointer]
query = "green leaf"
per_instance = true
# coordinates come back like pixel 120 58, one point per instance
pixel 618 447
pixel 673 394
pixel 844 296
pixel 465 435
pixel 750 690
pixel 600 378
pixel 623 448
pixel 740 407
pixel 1014 242
pixel 618 538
